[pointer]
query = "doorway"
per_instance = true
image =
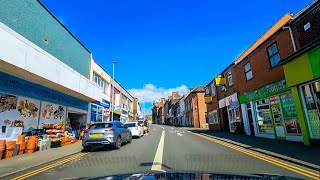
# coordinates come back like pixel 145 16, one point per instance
pixel 249 113
pixel 76 120
pixel 224 114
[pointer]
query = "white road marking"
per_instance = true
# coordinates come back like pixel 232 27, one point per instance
pixel 179 134
pixel 157 162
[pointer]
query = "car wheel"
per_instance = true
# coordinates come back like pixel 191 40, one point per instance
pixel 130 138
pixel 86 148
pixel 118 143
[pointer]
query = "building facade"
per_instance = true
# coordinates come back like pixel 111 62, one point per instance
pixel 42 80
pixel 195 108
pixel 302 73
pixel 264 94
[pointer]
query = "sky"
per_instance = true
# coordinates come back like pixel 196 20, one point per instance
pixel 168 45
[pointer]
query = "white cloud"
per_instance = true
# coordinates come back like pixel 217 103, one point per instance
pixel 150 92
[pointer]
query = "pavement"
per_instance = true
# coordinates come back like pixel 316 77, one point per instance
pixel 288 150
pixel 23 162
pixel 168 149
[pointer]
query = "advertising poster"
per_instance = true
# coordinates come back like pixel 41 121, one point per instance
pixel 314 122
pixel 51 114
pixel 8 109
pixel 28 113
pixel 18 111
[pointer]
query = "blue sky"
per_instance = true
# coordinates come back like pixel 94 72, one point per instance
pixel 166 45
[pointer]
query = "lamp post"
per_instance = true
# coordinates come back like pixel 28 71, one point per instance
pixel 112 92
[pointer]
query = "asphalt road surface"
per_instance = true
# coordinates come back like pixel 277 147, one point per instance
pixel 169 149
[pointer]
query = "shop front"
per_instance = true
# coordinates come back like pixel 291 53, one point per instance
pixel 124 118
pixel 230 113
pixel 116 112
pixel 270 112
pixel 100 111
pixel 302 72
pixel 29 110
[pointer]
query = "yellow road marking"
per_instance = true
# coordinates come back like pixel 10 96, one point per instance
pixel 73 157
pixel 263 157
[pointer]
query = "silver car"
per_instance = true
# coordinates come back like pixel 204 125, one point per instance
pixel 101 134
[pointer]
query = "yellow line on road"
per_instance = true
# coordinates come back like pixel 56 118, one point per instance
pixel 263 157
pixel 73 157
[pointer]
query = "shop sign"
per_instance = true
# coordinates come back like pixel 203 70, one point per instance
pixel 266 91
pixel 51 114
pixel 234 104
pixel 104 103
pixel 22 87
pixel 115 109
pixel 220 81
pixel 208 99
pixel 226 101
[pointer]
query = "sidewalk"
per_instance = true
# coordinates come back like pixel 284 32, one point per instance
pixel 26 161
pixel 287 150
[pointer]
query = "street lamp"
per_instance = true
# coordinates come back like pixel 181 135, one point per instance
pixel 112 93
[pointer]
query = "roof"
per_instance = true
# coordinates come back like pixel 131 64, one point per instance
pixel 196 90
pixel 279 24
pixel 305 10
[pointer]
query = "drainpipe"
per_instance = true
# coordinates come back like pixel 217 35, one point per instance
pixel 291 36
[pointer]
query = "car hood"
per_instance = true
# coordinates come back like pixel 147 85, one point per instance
pixel 187 175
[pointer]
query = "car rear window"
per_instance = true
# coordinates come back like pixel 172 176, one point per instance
pixel 131 124
pixel 100 126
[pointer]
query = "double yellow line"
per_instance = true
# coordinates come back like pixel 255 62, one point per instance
pixel 282 164
pixel 73 157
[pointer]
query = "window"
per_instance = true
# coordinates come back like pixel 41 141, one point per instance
pixel 263 115
pixel 96 113
pixel 248 71
pixel 99 81
pixel 274 55
pixel 101 126
pixel 230 81
pixel 213 117
pixel 213 90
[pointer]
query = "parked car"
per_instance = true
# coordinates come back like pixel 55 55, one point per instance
pixel 106 134
pixel 135 128
pixel 144 125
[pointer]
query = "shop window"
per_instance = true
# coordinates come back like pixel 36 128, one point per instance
pixel 289 114
pixel 230 81
pixel 96 113
pixel 263 115
pixel 273 54
pixel 213 117
pixel 311 96
pixel 248 71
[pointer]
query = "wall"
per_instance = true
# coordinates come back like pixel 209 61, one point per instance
pixel 202 109
pixel 31 20
pixel 262 72
pixel 303 37
pixel 213 106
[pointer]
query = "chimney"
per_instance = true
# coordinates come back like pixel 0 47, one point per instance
pixel 190 89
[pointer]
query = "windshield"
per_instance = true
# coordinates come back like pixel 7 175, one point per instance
pixel 101 126
pixel 131 124
pixel 202 88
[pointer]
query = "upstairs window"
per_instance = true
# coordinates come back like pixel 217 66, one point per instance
pixel 248 71
pixel 230 81
pixel 99 81
pixel 273 54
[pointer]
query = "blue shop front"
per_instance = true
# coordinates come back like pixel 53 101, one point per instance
pixel 31 106
pixel 100 111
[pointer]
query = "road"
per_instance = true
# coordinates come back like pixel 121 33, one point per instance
pixel 167 149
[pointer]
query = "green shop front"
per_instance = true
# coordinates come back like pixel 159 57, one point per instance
pixel 270 112
pixel 302 72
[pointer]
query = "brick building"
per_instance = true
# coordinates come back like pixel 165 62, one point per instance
pixel 262 87
pixel 195 108
pixel 212 107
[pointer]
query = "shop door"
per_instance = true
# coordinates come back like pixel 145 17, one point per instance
pixel 250 122
pixel 224 113
pixel 278 121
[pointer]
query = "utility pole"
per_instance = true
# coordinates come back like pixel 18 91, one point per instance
pixel 112 93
